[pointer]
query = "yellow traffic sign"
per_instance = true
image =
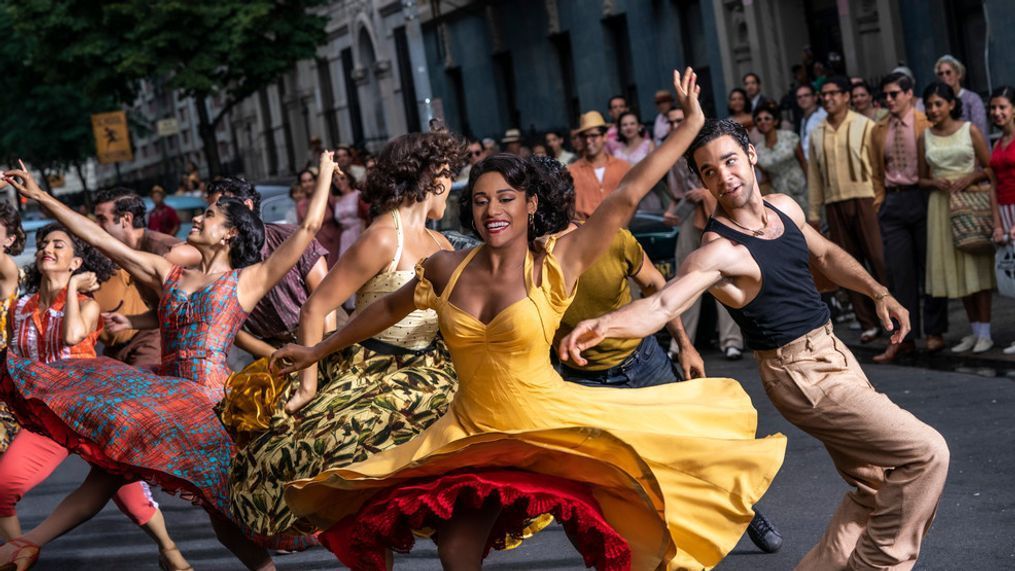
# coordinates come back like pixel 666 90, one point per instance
pixel 112 138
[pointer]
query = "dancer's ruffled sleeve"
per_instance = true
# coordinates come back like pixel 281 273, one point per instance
pixel 554 283
pixel 424 296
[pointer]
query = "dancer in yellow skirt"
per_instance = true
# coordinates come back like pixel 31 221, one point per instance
pixel 655 478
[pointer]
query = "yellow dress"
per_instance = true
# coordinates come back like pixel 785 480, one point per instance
pixel 675 469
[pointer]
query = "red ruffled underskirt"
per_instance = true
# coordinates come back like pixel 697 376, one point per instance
pixel 387 520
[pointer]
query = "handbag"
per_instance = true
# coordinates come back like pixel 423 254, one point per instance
pixel 972 220
pixel 1004 266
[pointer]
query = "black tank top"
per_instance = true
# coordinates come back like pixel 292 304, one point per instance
pixel 788 304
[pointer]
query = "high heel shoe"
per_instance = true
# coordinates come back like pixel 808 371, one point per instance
pixel 24 558
pixel 165 564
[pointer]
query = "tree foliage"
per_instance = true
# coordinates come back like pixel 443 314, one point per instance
pixel 225 48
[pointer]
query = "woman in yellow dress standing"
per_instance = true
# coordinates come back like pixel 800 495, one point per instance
pixel 656 478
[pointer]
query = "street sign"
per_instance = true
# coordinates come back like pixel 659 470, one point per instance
pixel 168 127
pixel 112 138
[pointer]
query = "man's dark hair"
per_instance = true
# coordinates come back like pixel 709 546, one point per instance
pixel 751 74
pixel 862 84
pixel 712 130
pixel 609 103
pixel 904 82
pixel 840 81
pixel 237 187
pixel 805 85
pixel 124 201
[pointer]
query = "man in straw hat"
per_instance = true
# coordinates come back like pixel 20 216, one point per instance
pixel 512 141
pixel 661 127
pixel 597 173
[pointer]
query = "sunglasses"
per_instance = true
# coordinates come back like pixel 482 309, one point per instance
pixel 943 72
pixel 477 153
pixel 892 94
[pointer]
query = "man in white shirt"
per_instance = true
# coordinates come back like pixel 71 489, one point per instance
pixel 813 115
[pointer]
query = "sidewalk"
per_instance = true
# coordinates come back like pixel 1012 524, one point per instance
pixel 992 361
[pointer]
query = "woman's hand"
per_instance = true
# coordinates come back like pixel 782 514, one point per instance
pixel 941 184
pixel 328 166
pixel 961 184
pixel 292 358
pixel 83 283
pixel 999 237
pixel 22 180
pixel 687 96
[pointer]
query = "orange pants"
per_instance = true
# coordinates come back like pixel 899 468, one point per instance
pixel 31 458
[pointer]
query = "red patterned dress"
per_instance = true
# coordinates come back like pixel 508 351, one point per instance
pixel 161 428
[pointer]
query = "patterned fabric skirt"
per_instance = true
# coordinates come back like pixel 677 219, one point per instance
pixel 366 402
pixel 132 423
pixel 8 427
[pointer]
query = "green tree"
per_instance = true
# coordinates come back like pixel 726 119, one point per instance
pixel 228 49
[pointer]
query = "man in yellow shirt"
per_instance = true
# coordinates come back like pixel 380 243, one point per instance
pixel 841 183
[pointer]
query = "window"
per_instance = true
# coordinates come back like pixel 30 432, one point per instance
pixel 409 102
pixel 619 45
pixel 458 88
pixel 352 98
pixel 505 73
pixel 565 59
pixel 328 100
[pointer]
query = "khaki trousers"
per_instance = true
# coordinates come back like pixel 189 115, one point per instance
pixel 896 463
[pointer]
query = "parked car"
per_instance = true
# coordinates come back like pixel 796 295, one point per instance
pixel 27 256
pixel 276 205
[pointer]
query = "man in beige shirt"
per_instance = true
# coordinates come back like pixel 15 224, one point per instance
pixel 839 178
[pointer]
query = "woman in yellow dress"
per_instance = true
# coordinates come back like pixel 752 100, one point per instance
pixel 656 478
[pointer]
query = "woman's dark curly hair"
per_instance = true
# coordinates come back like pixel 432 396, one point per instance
pixel 409 166
pixel 245 248
pixel 11 221
pixel 92 259
pixel 543 177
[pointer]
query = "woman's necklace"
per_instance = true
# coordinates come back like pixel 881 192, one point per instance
pixel 759 231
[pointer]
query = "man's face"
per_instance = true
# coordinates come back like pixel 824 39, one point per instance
pixel 861 98
pixel 594 141
pixel 475 153
pixel 106 217
pixel 752 86
pixel 577 142
pixel 158 198
pixel 897 100
pixel 343 158
pixel 834 98
pixel 675 117
pixel 617 106
pixel 806 98
pixel 664 105
pixel 727 171
pixel 514 147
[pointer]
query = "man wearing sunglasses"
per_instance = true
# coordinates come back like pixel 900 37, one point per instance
pixel 902 213
pixel 840 186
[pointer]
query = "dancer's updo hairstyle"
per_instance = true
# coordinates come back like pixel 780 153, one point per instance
pixel 543 177
pixel 245 247
pixel 11 221
pixel 408 167
pixel 92 259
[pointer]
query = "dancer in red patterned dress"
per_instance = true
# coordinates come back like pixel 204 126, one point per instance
pixel 56 320
pixel 12 242
pixel 133 424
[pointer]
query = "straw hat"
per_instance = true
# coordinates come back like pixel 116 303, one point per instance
pixel 591 120
pixel 511 136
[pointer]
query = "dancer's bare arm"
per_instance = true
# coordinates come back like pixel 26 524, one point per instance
pixel 651 281
pixel 377 317
pixel 256 280
pixel 845 270
pixel 704 268
pixel 149 270
pixel 366 258
pixel 81 317
pixel 579 249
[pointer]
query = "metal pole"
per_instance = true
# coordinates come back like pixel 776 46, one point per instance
pixel 417 57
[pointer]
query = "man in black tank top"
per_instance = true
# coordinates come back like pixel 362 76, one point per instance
pixel 753 259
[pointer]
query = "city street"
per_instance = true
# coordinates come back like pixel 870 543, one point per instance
pixel 973 413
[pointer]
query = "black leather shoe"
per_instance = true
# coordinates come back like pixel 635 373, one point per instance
pixel 763 534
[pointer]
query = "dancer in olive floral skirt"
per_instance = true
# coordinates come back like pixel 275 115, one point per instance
pixel 375 394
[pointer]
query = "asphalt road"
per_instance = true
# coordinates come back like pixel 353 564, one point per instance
pixel 974 530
